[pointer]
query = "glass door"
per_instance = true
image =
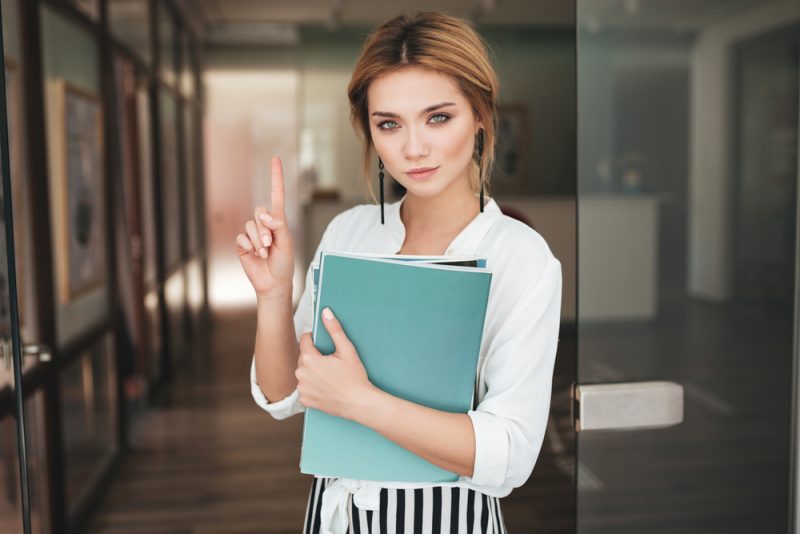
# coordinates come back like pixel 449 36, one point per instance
pixel 15 509
pixel 687 232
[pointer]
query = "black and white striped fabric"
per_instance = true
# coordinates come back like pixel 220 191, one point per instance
pixel 429 510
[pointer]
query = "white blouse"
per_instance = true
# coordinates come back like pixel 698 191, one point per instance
pixel 517 354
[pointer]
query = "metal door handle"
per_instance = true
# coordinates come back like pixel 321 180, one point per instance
pixel 626 405
pixel 38 350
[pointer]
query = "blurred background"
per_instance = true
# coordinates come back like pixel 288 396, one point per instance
pixel 654 145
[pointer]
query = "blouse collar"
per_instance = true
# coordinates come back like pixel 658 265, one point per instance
pixel 465 243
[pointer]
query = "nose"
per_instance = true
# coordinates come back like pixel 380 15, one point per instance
pixel 415 147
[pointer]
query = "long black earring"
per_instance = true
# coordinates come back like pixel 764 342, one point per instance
pixel 480 161
pixel 380 177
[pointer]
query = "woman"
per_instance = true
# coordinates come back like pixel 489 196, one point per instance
pixel 422 96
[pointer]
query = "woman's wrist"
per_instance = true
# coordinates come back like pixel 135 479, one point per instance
pixel 276 296
pixel 369 406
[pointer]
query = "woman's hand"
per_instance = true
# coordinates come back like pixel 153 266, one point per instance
pixel 336 383
pixel 265 250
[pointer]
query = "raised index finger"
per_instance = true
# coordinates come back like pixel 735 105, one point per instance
pixel 277 184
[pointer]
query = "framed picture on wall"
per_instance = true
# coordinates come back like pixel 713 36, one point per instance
pixel 78 189
pixel 510 174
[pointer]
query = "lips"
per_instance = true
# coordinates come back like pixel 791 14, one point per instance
pixel 421 173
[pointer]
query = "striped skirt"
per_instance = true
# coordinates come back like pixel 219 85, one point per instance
pixel 429 510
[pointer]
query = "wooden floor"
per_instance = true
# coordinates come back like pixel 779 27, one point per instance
pixel 726 468
pixel 209 461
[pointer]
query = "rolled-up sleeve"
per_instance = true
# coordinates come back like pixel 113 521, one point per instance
pixel 511 419
pixel 281 409
pixel 291 405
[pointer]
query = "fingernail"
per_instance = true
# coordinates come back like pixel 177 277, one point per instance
pixel 266 240
pixel 326 313
pixel 266 217
pixel 262 252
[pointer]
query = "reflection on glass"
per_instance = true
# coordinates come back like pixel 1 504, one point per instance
pixel 687 124
pixel 88 413
pixel 187 65
pixel 10 499
pixel 129 21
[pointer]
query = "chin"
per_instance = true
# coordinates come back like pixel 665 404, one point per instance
pixel 423 190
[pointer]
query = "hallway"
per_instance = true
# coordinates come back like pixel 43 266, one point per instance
pixel 652 145
pixel 206 459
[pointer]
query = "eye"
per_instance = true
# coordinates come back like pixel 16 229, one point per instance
pixel 387 125
pixel 439 118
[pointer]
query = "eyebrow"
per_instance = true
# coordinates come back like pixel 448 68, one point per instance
pixel 426 110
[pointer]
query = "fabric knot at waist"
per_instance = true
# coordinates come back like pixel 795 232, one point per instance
pixel 335 501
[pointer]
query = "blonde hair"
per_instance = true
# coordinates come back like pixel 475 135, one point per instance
pixel 444 44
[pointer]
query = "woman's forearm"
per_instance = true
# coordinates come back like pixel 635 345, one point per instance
pixel 443 438
pixel 276 347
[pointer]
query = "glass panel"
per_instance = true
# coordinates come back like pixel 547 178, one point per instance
pixel 88 415
pixel 146 183
pixel 166 34
pixel 12 493
pixel 15 97
pixel 73 110
pixel 129 21
pixel 192 194
pixel 169 180
pixel 10 499
pixel 133 362
pixel 687 150
pixel 153 334
pixel 153 318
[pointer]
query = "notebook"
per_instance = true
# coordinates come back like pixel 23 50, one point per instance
pixel 417 325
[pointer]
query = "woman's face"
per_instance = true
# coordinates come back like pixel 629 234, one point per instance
pixel 423 129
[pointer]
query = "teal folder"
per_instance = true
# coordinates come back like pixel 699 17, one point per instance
pixel 417 326
pixel 466 261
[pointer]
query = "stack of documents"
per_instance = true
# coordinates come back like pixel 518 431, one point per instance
pixel 417 323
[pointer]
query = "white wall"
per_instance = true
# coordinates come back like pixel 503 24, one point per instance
pixel 330 145
pixel 251 114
